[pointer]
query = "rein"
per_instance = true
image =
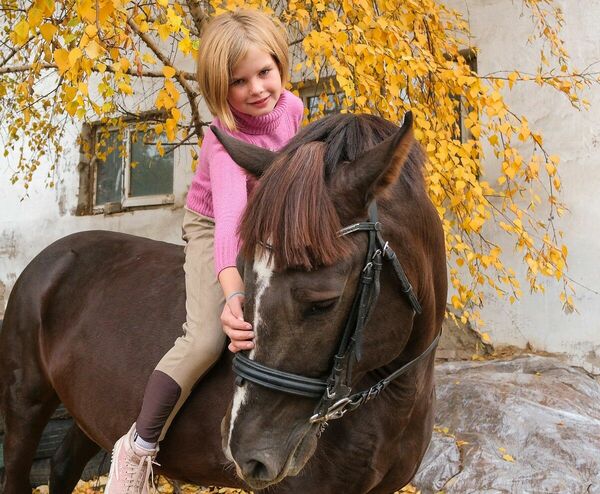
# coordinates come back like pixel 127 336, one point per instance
pixel 335 391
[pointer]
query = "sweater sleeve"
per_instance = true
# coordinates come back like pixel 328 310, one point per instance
pixel 229 196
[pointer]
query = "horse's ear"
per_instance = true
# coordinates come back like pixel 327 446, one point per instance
pixel 374 171
pixel 253 159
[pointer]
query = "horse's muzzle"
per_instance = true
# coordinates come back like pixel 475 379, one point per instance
pixel 261 466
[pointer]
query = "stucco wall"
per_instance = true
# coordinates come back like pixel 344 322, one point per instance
pixel 500 33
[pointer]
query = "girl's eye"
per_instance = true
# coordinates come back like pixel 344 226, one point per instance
pixel 236 82
pixel 321 307
pixel 265 72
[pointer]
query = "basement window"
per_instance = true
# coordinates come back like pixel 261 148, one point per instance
pixel 131 168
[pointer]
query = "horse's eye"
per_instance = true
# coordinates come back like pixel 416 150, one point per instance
pixel 320 307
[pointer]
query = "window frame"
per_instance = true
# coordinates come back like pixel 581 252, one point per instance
pixel 312 89
pixel 126 202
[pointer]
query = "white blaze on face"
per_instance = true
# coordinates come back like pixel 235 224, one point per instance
pixel 263 270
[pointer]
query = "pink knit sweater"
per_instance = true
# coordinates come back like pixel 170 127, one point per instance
pixel 220 187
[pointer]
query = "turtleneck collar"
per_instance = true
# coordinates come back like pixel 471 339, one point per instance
pixel 263 124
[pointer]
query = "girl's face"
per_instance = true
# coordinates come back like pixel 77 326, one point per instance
pixel 255 85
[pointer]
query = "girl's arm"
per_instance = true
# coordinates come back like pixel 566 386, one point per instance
pixel 228 187
pixel 232 316
pixel 231 281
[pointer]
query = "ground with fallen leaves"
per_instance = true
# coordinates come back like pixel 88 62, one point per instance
pixel 165 487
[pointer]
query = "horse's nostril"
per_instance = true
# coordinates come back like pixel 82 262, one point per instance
pixel 255 469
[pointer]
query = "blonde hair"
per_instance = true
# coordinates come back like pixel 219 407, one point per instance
pixel 224 43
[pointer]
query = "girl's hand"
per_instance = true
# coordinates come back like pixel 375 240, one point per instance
pixel 239 332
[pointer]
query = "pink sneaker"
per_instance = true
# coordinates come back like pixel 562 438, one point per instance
pixel 131 467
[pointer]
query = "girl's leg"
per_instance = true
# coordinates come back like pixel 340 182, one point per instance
pixel 202 342
pixel 160 398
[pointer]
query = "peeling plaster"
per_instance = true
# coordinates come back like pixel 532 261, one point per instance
pixel 8 245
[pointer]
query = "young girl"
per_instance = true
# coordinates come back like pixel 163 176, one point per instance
pixel 242 69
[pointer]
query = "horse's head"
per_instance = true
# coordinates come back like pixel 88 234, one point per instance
pixel 301 277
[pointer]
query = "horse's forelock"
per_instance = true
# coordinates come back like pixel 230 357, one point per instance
pixel 291 206
pixel 292 212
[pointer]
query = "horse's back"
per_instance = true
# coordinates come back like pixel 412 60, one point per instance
pixel 94 267
pixel 90 251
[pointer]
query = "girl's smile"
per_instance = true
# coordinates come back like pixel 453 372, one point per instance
pixel 260 103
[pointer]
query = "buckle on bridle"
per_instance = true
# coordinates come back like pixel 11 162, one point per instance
pixel 335 411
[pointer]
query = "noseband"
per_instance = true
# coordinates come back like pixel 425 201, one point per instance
pixel 335 391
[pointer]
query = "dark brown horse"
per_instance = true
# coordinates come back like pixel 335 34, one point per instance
pixel 91 315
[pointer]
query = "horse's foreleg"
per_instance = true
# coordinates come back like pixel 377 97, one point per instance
pixel 70 459
pixel 25 417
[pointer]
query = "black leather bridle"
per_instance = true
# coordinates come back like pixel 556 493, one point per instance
pixel 335 391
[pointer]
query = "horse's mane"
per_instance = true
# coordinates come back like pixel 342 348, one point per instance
pixel 290 212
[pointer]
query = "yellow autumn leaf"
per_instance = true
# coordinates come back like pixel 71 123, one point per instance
pixel 74 55
pixel 107 9
pixel 87 10
pixel 556 182
pixel 48 31
pixel 21 31
pixel 124 64
pixel 160 149
pixel 164 31
pixel 170 127
pixel 172 92
pixel 125 88
pixel 186 45
pixel 169 72
pixel 91 30
pixel 507 457
pixel 83 88
pixel 46 6
pixel 34 17
pixel 61 58
pixel 174 19
pixel 93 49
pixel 69 93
